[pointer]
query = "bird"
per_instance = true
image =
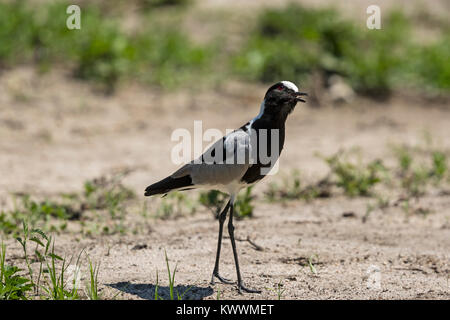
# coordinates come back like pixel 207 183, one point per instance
pixel 237 161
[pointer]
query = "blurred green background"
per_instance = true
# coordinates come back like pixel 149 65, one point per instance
pixel 287 42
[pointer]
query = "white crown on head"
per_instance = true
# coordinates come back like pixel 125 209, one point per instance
pixel 290 85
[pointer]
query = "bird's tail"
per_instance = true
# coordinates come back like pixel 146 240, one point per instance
pixel 169 184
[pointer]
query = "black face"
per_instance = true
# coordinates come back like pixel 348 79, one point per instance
pixel 282 99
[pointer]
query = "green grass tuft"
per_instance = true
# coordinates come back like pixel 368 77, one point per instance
pixel 354 178
pixel 13 286
pixel 243 205
pixel 215 201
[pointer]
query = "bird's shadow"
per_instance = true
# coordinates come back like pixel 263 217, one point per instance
pixel 148 291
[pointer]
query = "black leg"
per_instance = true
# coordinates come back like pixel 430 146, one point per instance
pixel 222 218
pixel 241 286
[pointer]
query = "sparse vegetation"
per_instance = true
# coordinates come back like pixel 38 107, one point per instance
pixel 291 189
pixel 172 288
pixel 286 43
pixel 418 169
pixel 92 286
pixel 355 179
pixel 100 51
pixel 218 294
pixel 102 195
pixel 215 201
pixel 13 286
pixel 106 193
pixel 440 166
pixel 243 205
pixel 295 40
pixel 156 46
pixel 416 173
pixel 52 280
pixel 279 290
pixel 175 204
pixel 347 172
pixel 46 214
pixel 312 268
pixel 381 203
pixel 429 66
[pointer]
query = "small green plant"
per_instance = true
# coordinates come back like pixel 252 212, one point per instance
pixel 291 189
pixel 415 173
pixel 439 168
pixel 415 181
pixel 13 286
pixel 213 200
pixel 429 66
pixel 171 276
pixel 381 203
pixel 311 265
pixel 172 288
pixel 53 279
pixel 157 286
pixel 354 178
pixel 48 208
pixel 243 205
pixel 175 204
pixel 406 206
pixel 92 288
pixel 218 294
pixel 107 193
pixel 172 281
pixel 46 215
pixel 279 290
pixel 405 159
pixel 57 287
pixel 8 222
pixel 30 235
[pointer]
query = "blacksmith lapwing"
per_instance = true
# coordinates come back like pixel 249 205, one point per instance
pixel 240 159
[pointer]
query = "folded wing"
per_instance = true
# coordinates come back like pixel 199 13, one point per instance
pixel 225 162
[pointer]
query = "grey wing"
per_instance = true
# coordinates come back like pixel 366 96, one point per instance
pixel 226 161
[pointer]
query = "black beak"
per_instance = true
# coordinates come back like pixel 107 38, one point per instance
pixel 297 96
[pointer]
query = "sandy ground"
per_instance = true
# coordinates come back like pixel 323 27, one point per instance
pixel 56 134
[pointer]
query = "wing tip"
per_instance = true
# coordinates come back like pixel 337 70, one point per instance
pixel 166 185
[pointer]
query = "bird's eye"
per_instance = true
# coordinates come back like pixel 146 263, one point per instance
pixel 280 88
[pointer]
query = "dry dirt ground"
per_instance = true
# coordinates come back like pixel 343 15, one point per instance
pixel 56 133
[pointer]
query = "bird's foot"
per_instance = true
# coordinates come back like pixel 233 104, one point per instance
pixel 221 279
pixel 241 288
